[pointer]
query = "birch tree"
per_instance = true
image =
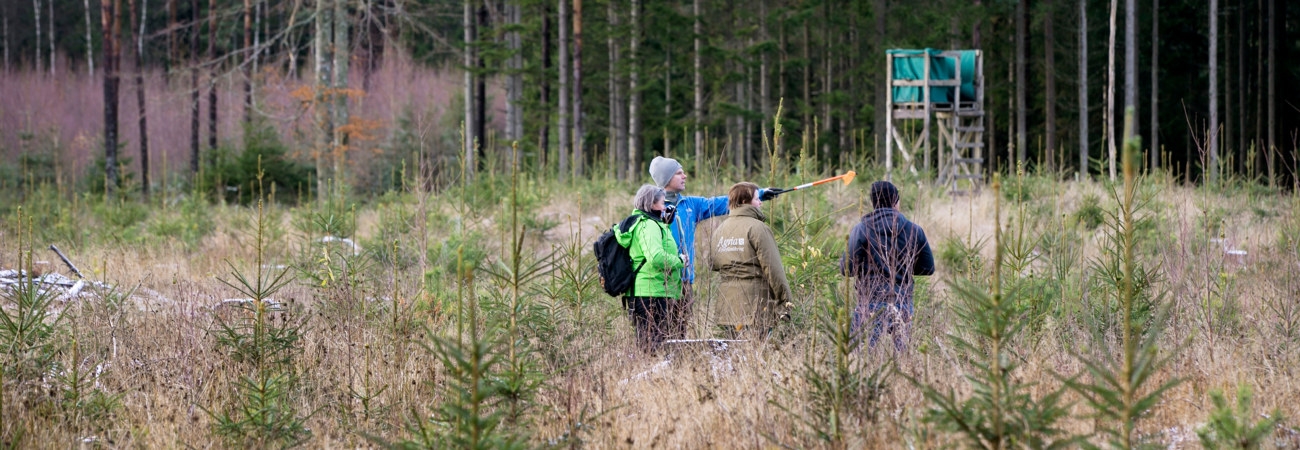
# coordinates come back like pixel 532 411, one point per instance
pixel 1109 114
pixel 1213 145
pixel 36 6
pixel 90 43
pixel 563 125
pixel 1130 64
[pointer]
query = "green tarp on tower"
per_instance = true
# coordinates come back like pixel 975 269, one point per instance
pixel 911 66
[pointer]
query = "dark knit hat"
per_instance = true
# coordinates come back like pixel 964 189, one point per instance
pixel 883 194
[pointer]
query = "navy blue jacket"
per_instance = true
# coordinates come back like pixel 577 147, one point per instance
pixel 885 250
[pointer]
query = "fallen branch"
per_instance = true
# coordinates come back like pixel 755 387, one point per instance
pixel 66 261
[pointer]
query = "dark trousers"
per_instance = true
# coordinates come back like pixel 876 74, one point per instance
pixel 679 312
pixel 651 318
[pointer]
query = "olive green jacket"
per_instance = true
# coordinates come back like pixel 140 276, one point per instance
pixel 653 249
pixel 754 291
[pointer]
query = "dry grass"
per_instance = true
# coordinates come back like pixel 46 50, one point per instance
pixel 158 353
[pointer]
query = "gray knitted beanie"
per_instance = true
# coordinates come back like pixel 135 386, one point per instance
pixel 662 170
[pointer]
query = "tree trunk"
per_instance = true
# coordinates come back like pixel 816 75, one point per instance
pixel 563 125
pixel 514 83
pixel 698 110
pixel 109 12
pixel 1213 145
pixel 480 85
pixel 544 135
pixel 5 19
pixel 1242 86
pixel 764 84
pixel 173 43
pixel 52 59
pixel 249 54
pixel 139 34
pixel 1022 85
pixel 342 62
pixel 1110 92
pixel 324 63
pixel 1272 90
pixel 634 105
pixel 470 163
pixel 579 139
pixel 1131 63
pixel 36 6
pixel 212 75
pixel 195 29
pixel 882 91
pixel 1083 89
pixel 828 84
pixel 618 126
pixel 668 95
pixel 1049 51
pixel 807 106
pixel 784 49
pixel 1155 85
pixel 1229 106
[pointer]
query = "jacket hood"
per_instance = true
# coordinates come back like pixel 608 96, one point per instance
pixel 625 237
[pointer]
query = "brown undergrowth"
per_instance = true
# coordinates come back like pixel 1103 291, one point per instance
pixel 508 270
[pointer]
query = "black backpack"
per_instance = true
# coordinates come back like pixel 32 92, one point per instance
pixel 614 261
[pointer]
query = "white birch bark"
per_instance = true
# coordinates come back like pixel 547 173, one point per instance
pixel 1109 114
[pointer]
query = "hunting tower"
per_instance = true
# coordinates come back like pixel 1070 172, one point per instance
pixel 945 88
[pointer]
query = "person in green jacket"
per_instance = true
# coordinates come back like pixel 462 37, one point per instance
pixel 754 294
pixel 658 280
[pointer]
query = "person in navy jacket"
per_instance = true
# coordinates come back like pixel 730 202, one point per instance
pixel 885 251
pixel 668 174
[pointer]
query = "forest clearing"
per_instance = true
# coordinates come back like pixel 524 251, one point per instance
pixel 339 223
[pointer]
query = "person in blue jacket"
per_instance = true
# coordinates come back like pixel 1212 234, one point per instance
pixel 668 174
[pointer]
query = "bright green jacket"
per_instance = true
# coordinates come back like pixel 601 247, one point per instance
pixel 653 250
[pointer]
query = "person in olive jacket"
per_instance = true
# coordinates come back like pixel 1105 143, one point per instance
pixel 885 251
pixel 658 280
pixel 754 293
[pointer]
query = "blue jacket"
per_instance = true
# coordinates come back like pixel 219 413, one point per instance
pixel 690 211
